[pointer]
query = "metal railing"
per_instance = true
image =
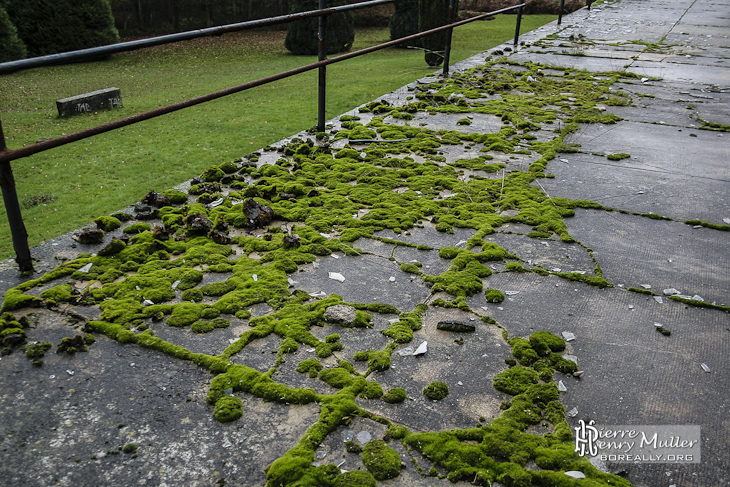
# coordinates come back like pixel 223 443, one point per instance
pixel 10 197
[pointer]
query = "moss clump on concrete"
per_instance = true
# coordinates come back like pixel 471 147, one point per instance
pixel 372 390
pixel 227 409
pixel 57 294
pixel 337 377
pixel 544 342
pixel 494 296
pixel 381 460
pixel 355 478
pixel 37 351
pixel 515 380
pixel 617 157
pixel 436 391
pixel 310 366
pixel 130 448
pixel 396 395
pixel 107 223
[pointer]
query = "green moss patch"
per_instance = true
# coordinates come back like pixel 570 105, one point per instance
pixel 227 409
pixel 381 460
pixel 436 391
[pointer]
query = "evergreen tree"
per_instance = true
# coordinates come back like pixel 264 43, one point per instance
pixel 432 14
pixel 51 26
pixel 302 35
pixel 404 21
pixel 11 47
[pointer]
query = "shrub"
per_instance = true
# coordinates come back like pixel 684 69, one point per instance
pixel 404 21
pixel 302 35
pixel 62 25
pixel 11 47
pixel 432 14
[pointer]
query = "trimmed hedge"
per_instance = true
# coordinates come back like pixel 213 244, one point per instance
pixel 51 26
pixel 302 36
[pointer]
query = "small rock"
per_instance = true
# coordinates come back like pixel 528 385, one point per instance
pixel 292 241
pixel 422 349
pixel 340 313
pixel 561 386
pixel 91 237
pixel 646 286
pixel 156 199
pixel 258 215
pixel 363 437
pixel 658 299
pixel 86 268
pixel 577 373
pixel 145 212
pixel 575 474
pixel 456 326
pixel 198 224
pixel 406 352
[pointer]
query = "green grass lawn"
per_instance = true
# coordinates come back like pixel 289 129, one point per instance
pixel 76 183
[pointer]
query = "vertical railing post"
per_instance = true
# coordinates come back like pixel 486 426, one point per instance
pixel 447 48
pixel 12 208
pixel 560 12
pixel 517 27
pixel 589 3
pixel 322 36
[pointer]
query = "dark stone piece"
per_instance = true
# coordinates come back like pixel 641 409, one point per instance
pixel 156 199
pixel 196 180
pixel 91 237
pixel 313 193
pixel 228 179
pixel 258 215
pixel 198 224
pixel 457 326
pixel 292 241
pixel 219 237
pixel 145 212
pixel 287 196
pixel 160 233
pixel 105 99
pixel 13 339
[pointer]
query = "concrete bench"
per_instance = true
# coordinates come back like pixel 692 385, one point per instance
pixel 105 99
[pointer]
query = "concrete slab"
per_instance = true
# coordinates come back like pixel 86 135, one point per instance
pixel 65 422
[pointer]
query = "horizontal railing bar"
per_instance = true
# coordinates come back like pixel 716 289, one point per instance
pixel 64 57
pixel 10 155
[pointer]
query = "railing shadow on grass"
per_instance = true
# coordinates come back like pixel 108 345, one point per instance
pixel 7 181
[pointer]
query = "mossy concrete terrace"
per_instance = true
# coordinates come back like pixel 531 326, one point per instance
pixel 559 188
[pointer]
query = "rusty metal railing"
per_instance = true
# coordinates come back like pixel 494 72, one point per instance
pixel 15 220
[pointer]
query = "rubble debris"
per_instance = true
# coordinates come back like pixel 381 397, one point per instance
pixel 337 276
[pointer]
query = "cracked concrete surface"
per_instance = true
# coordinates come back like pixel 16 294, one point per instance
pixel 56 418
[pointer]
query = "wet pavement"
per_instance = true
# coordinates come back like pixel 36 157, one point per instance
pixel 64 423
